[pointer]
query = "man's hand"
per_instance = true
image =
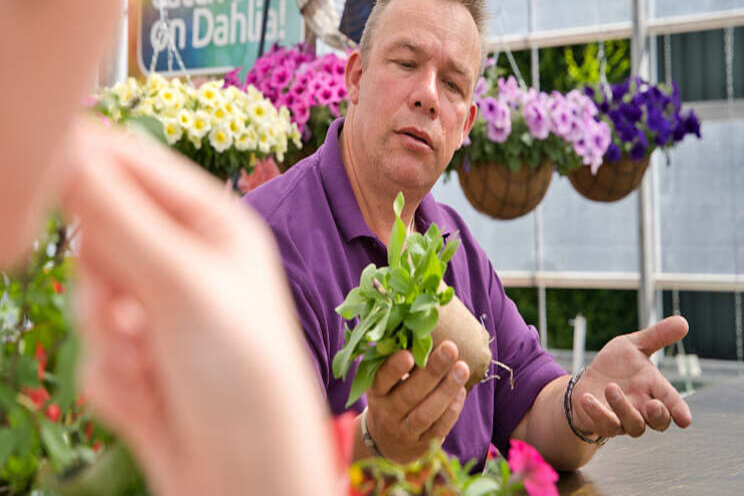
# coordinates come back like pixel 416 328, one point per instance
pixel 407 409
pixel 622 391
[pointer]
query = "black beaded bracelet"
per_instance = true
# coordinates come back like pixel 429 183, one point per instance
pixel 568 408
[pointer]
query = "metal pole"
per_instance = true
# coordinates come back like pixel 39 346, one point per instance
pixel 640 67
pixel 264 22
pixel 542 305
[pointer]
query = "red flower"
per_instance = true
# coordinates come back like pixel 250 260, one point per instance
pixel 53 412
pixel 266 169
pixel 41 357
pixel 59 288
pixel 527 465
pixel 38 396
pixel 343 430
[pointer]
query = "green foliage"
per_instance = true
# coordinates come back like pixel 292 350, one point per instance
pixel 45 430
pixel 608 313
pixel 570 67
pixel 396 305
pixel 434 473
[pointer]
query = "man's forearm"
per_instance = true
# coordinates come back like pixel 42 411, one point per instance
pixel 545 427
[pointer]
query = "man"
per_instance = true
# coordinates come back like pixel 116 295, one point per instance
pixel 410 107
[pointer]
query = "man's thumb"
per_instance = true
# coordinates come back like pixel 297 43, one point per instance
pixel 660 335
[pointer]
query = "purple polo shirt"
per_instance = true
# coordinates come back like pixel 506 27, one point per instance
pixel 325 244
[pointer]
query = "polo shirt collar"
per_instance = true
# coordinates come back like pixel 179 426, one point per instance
pixel 341 197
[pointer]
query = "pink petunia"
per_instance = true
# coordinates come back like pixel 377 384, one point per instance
pixel 527 465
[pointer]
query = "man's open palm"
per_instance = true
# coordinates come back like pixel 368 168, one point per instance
pixel 622 391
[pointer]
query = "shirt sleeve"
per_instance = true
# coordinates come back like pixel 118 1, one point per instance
pixel 519 348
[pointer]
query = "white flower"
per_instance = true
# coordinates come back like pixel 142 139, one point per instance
pixel 197 142
pixel 219 114
pixel 154 83
pixel 209 94
pixel 248 140
pixel 220 138
pixel 169 98
pixel 173 131
pixel 236 127
pixel 200 125
pixel 186 119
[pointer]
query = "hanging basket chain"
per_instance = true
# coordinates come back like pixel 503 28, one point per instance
pixel 163 40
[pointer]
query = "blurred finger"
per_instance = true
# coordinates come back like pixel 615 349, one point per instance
pixel 657 415
pixel 603 421
pixel 632 421
pixel 125 232
pixel 391 372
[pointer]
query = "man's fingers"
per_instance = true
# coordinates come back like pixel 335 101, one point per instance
pixel 671 399
pixel 657 415
pixel 434 406
pixel 660 335
pixel 411 392
pixel 442 427
pixel 632 421
pixel 174 184
pixel 391 372
pixel 604 422
pixel 123 230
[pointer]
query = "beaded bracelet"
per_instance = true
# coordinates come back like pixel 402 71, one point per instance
pixel 568 408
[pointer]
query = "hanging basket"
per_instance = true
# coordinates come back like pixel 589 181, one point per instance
pixel 612 182
pixel 496 190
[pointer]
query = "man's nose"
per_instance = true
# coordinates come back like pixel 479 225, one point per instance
pixel 425 95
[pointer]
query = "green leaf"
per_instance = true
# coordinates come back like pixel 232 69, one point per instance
pixel 397 238
pixel 422 323
pixel 353 305
pixel 386 346
pixel 7 445
pixel 53 439
pixel 514 162
pixel 424 303
pixel 421 349
pixel 363 379
pixel 400 280
pixel 65 371
pixel 481 486
pixel 446 296
pixel 403 339
pixel 378 331
pixel 449 250
pixel 28 371
pixel 398 204
pixel 342 360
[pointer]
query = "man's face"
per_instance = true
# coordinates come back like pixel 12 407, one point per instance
pixel 413 96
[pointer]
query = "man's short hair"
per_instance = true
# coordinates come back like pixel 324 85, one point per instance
pixel 477 9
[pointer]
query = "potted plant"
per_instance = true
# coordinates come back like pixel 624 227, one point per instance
pixel 406 305
pixel 221 128
pixel 312 88
pixel 519 137
pixel 438 473
pixel 642 117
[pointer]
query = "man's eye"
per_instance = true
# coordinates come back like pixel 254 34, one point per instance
pixel 406 64
pixel 452 85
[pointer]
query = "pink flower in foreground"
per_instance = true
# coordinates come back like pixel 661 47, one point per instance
pixel 527 465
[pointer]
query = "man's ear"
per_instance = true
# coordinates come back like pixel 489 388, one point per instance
pixel 472 113
pixel 353 76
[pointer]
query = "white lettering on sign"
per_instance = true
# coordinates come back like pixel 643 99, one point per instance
pixel 241 24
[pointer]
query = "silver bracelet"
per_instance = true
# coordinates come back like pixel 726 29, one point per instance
pixel 568 409
pixel 367 438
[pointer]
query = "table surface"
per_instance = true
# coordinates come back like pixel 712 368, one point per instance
pixel 705 458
